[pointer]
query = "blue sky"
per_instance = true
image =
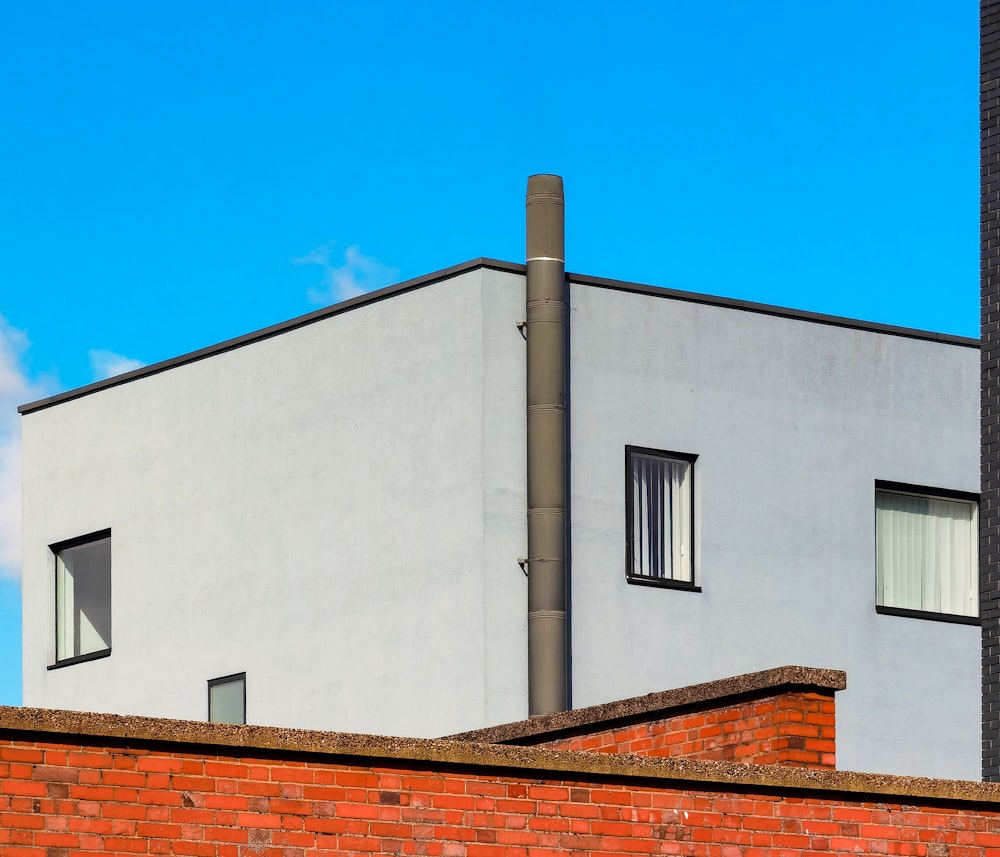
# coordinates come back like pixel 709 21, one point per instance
pixel 175 174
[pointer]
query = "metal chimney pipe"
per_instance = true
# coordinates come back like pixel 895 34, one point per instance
pixel 545 328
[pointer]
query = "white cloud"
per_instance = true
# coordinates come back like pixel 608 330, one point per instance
pixel 358 274
pixel 107 364
pixel 16 388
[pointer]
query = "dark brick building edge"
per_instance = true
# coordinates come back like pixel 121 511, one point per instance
pixel 989 511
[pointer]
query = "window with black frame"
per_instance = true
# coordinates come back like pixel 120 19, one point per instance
pixel 227 699
pixel 926 553
pixel 659 517
pixel 83 598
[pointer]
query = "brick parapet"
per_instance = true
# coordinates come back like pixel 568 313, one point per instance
pixel 785 715
pixel 795 728
pixel 137 735
pixel 718 693
pixel 74 796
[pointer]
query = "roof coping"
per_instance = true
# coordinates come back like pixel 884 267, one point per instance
pixel 265 333
pixel 547 726
pixel 497 265
pixel 53 726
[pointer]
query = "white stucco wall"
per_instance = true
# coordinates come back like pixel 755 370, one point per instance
pixel 792 423
pixel 505 612
pixel 308 508
pixel 338 510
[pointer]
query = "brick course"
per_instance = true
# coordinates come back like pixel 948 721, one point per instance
pixel 94 797
pixel 784 715
pixel 797 727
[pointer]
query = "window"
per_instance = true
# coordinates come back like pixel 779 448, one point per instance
pixel 926 553
pixel 227 699
pixel 83 598
pixel 659 520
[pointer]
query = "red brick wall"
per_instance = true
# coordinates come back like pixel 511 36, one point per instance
pixel 794 728
pixel 69 800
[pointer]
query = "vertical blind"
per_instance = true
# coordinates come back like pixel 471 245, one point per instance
pixel 661 517
pixel 926 553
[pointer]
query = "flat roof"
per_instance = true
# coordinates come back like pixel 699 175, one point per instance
pixel 497 265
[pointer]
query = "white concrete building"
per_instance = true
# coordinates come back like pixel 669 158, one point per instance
pixel 332 511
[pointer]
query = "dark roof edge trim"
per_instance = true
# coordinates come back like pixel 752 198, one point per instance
pixel 268 332
pixel 769 309
pixel 36 724
pixel 496 265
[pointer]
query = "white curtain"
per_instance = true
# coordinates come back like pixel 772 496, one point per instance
pixel 661 518
pixel 926 553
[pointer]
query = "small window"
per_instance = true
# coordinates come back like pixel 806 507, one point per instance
pixel 926 553
pixel 227 699
pixel 659 519
pixel 83 598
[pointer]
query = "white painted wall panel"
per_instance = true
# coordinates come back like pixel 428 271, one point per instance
pixel 339 510
pixel 792 422
pixel 505 603
pixel 307 508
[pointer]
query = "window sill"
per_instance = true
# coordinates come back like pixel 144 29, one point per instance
pixel 927 614
pixel 662 583
pixel 80 659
